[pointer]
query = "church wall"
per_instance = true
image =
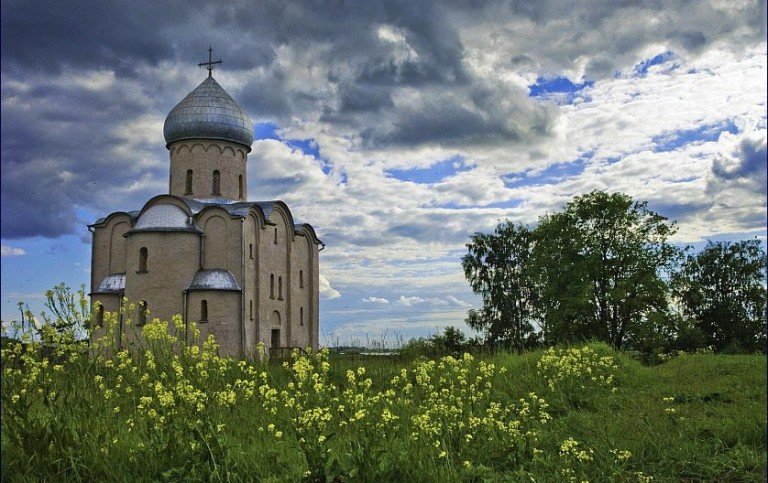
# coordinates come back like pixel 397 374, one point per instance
pixel 173 260
pixel 99 256
pixel 108 252
pixel 117 246
pixel 251 282
pixel 222 246
pixel 314 291
pixel 273 262
pixel 111 303
pixel 204 156
pixel 300 291
pixel 222 322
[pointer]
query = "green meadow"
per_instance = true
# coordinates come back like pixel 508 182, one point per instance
pixel 168 412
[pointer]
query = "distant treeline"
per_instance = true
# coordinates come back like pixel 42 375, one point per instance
pixel 604 269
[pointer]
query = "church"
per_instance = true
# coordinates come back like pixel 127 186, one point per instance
pixel 244 271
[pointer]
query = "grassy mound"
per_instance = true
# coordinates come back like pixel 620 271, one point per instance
pixel 165 411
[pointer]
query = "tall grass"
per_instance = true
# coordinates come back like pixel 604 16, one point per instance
pixel 170 411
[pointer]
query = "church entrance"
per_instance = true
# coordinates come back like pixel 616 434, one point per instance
pixel 275 338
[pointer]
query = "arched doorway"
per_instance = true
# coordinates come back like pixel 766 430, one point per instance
pixel 275 335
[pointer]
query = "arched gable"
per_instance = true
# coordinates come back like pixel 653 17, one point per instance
pixel 215 221
pixel 118 243
pixel 281 209
pixel 306 230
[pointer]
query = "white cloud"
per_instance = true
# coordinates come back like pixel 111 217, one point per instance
pixel 375 300
pixel 326 291
pixel 458 302
pixel 8 251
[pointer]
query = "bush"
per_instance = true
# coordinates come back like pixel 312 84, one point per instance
pixel 575 375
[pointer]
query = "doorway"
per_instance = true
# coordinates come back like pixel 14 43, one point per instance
pixel 275 343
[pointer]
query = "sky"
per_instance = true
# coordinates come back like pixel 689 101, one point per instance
pixel 396 128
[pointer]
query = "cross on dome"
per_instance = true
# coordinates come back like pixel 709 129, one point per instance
pixel 209 64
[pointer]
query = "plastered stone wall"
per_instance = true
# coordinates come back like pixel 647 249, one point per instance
pixel 110 304
pixel 252 281
pixel 223 319
pixel 300 291
pixel 108 248
pixel 251 248
pixel 273 263
pixel 203 157
pixel 221 240
pixel 173 260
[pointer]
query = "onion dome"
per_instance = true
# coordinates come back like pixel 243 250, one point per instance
pixel 208 112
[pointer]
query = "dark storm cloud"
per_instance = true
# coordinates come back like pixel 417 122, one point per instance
pixel 751 162
pixel 57 153
pixel 393 73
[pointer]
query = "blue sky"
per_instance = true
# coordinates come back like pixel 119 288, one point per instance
pixel 396 137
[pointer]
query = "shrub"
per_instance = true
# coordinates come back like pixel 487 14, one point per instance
pixel 576 374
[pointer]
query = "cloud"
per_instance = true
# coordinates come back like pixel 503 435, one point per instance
pixel 326 291
pixel 458 302
pixel 9 251
pixel 375 300
pixel 404 301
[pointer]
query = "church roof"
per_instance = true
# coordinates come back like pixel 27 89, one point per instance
pixel 164 217
pixel 208 112
pixel 214 279
pixel 114 283
pixel 168 217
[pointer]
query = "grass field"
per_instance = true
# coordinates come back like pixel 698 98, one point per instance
pixel 571 414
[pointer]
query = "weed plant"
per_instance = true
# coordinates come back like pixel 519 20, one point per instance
pixel 163 409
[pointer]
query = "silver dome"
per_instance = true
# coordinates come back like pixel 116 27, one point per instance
pixel 208 112
pixel 164 217
pixel 214 279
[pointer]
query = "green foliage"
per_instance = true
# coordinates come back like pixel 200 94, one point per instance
pixel 723 288
pixel 603 269
pixel 167 411
pixel 575 375
pixel 451 341
pixel 68 317
pixel 497 267
pixel 600 266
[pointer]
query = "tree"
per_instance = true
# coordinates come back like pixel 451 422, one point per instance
pixel 496 268
pixel 68 317
pixel 723 287
pixel 600 267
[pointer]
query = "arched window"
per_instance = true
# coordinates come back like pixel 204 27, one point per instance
pixel 301 316
pixel 143 256
pixel 100 316
pixel 301 278
pixel 280 288
pixel 250 250
pixel 203 311
pixel 188 186
pixel 240 185
pixel 142 313
pixel 272 285
pixel 216 182
pixel 275 236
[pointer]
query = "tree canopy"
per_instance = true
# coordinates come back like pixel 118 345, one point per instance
pixel 603 268
pixel 600 267
pixel 497 268
pixel 723 289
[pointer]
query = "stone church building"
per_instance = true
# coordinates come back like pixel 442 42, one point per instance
pixel 244 271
